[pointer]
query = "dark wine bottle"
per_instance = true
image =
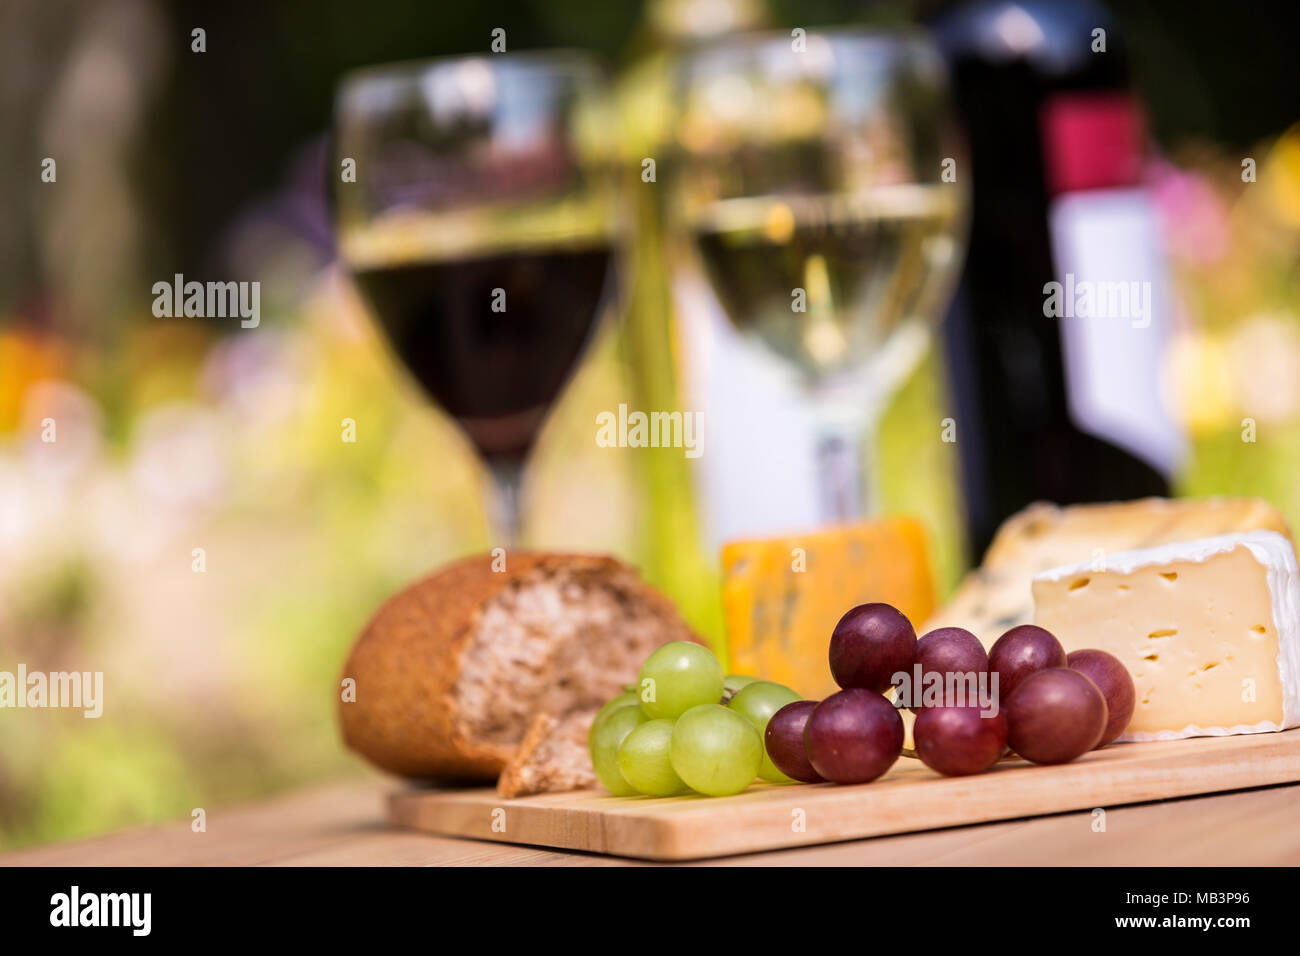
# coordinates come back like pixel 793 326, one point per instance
pixel 1056 387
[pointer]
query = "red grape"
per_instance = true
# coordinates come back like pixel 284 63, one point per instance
pixel 1055 715
pixel 1113 680
pixel 949 650
pixel 784 741
pixel 1021 651
pixel 853 736
pixel 957 741
pixel 870 644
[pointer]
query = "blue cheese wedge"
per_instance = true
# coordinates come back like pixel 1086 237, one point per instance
pixel 1209 629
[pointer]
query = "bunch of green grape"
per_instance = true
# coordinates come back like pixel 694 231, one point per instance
pixel 684 726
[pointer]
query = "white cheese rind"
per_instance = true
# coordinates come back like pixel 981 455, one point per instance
pixel 997 595
pixel 1278 558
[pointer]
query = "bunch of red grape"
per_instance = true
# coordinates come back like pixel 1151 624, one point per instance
pixel 1051 708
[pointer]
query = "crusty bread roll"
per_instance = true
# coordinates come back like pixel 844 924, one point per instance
pixel 452 671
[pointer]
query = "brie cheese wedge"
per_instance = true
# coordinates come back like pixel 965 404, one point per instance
pixel 1209 630
pixel 996 596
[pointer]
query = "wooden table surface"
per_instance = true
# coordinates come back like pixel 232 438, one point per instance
pixel 342 825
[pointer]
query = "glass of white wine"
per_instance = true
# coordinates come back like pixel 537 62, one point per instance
pixel 823 182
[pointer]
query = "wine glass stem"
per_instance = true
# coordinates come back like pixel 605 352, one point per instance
pixel 840 477
pixel 506 481
pixel 845 450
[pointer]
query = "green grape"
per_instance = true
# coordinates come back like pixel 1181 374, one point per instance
pixel 604 747
pixel 622 700
pixel 644 762
pixel 715 750
pixel 757 702
pixel 678 676
pixel 733 683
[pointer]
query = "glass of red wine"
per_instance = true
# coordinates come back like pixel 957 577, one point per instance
pixel 476 211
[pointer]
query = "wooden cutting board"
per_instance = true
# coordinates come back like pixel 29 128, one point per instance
pixel 909 797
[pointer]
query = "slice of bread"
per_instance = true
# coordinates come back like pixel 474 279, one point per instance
pixel 552 757
pixel 453 671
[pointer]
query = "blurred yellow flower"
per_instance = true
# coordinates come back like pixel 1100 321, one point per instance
pixel 24 359
pixel 1264 353
pixel 1200 378
pixel 1280 177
